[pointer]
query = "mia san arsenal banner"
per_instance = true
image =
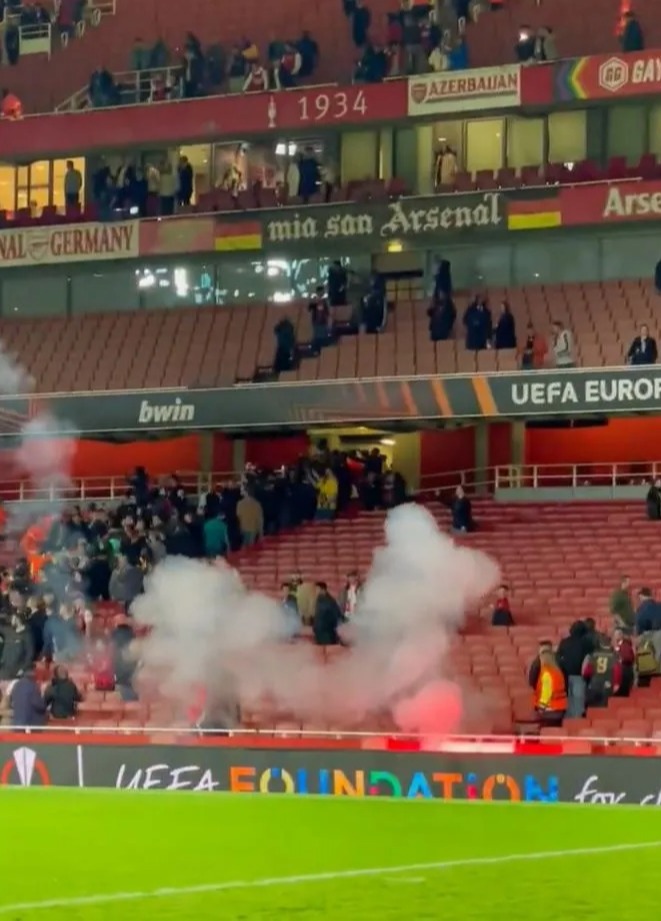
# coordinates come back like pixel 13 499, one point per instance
pixel 94 242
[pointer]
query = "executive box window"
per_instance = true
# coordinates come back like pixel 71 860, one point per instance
pixel 36 185
pixel 567 136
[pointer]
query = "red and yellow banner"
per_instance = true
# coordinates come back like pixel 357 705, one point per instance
pixel 238 236
pixel 585 205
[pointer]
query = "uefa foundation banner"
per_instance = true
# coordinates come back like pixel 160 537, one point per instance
pixel 225 769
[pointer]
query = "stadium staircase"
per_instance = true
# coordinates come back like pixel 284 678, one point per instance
pixel 218 346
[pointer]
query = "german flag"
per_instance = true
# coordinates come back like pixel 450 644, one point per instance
pixel 534 214
pixel 234 237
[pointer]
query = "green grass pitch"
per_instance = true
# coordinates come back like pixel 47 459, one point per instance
pixel 99 855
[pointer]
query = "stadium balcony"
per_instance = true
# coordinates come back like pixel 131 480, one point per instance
pixel 552 582
pixel 44 85
pixel 222 201
pixel 220 346
pixel 55 50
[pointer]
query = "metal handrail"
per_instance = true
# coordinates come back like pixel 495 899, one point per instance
pixel 475 480
pixel 450 742
pixel 534 476
pixel 108 488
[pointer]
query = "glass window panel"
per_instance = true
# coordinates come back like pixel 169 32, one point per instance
pixel 199 157
pixel 176 285
pixel 103 290
pixel 359 155
pixel 7 188
pixel 484 144
pixel 567 136
pixel 488 264
pixel 552 261
pixel 626 132
pixel 525 142
pixel 632 255
pixel 451 133
pixel 38 294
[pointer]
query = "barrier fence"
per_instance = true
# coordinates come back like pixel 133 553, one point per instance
pixel 478 480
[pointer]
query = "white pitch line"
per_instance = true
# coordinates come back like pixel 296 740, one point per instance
pixel 174 892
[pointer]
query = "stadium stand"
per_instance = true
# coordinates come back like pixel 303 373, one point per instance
pixel 552 583
pixel 43 85
pixel 368 190
pixel 209 346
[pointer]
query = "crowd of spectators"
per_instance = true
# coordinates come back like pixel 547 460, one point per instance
pixel 420 38
pixel 24 21
pixel 93 554
pixel 535 351
pixel 480 331
pixel 369 308
pixel 156 188
pixel 589 666
pixel 197 71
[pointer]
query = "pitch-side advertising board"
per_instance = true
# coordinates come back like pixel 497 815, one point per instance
pixel 219 769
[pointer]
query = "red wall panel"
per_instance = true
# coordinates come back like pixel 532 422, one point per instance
pixel 620 441
pixel 445 452
pixel 274 452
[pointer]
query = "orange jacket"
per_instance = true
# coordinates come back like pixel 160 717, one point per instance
pixel 12 107
pixel 550 693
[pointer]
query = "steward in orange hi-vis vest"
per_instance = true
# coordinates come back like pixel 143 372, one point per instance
pixel 551 691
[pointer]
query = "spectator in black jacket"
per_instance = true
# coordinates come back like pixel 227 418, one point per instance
pixel 571 654
pixel 642 350
pixel 632 35
pixel 477 320
pixel 442 315
pixel 62 696
pixel 648 615
pixel 653 501
pixel 505 333
pixel 17 650
pixel 285 345
pixel 28 707
pixel 327 617
pixel 360 23
pixel 462 514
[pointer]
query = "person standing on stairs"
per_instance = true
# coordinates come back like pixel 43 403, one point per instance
pixel 320 319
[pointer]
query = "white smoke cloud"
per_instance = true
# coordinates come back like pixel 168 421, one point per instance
pixel 207 629
pixel 45 452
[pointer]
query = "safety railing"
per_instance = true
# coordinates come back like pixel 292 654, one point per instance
pixel 476 481
pixel 526 742
pixel 537 476
pixel 132 87
pixel 101 489
pixel 35 38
